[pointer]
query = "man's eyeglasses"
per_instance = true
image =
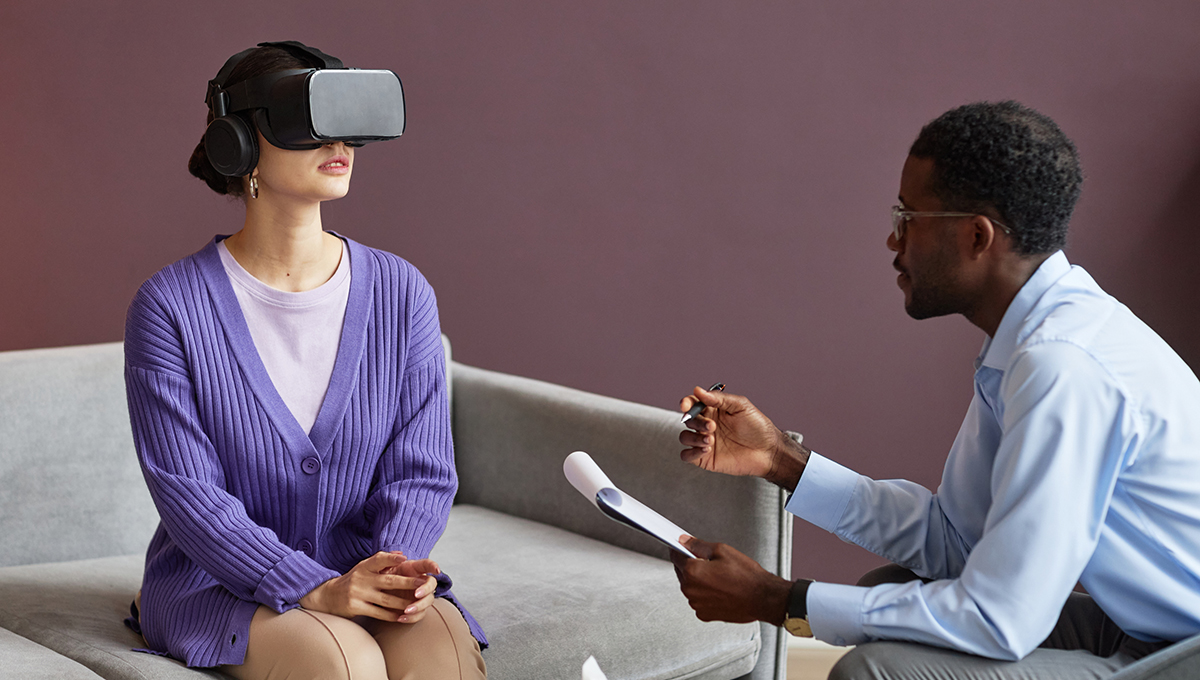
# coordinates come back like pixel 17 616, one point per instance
pixel 900 218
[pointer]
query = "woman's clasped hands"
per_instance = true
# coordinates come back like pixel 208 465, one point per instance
pixel 386 586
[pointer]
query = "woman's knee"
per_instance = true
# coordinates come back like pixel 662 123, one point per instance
pixel 305 644
pixel 440 645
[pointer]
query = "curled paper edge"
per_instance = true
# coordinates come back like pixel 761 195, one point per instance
pixel 587 477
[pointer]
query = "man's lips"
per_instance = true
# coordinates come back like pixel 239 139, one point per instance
pixel 337 165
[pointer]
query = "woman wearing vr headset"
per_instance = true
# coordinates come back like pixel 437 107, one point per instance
pixel 288 399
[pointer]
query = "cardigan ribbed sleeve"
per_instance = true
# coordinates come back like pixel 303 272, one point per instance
pixel 408 507
pixel 187 481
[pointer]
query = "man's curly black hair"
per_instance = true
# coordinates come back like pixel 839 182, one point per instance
pixel 1009 162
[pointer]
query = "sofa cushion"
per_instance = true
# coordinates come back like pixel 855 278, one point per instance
pixel 76 609
pixel 549 598
pixel 21 658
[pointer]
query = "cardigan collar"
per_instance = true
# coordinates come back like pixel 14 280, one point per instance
pixel 345 368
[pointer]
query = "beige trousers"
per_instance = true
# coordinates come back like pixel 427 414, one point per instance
pixel 305 645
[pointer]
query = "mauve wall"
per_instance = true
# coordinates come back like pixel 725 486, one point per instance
pixel 628 197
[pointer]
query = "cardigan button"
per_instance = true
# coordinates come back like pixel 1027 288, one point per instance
pixel 306 547
pixel 310 465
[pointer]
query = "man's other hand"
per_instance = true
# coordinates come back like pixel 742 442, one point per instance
pixel 723 584
pixel 733 437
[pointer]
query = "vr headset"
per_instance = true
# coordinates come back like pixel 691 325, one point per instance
pixel 299 108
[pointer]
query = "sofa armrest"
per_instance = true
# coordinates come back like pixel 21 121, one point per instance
pixel 511 435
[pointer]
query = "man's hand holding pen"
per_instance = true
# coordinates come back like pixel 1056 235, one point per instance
pixel 731 436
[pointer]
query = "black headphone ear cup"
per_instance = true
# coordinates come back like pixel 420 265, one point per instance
pixel 231 145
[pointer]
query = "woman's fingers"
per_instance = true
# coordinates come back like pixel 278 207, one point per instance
pixel 376 612
pixel 397 582
pixel 418 606
pixel 393 601
pixel 428 589
pixel 382 561
pixel 416 611
pixel 417 567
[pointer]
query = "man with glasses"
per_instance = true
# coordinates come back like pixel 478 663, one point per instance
pixel 1078 460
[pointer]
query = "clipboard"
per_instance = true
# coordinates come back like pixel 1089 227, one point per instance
pixel 587 477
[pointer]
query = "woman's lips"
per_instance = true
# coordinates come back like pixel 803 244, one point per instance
pixel 338 165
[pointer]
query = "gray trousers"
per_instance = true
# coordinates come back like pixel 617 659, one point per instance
pixel 1085 643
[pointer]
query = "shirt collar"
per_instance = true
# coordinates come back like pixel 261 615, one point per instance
pixel 997 350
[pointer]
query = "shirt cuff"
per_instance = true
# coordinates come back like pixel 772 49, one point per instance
pixel 835 613
pixel 824 491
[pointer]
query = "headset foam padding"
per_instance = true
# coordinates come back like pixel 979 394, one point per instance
pixel 231 145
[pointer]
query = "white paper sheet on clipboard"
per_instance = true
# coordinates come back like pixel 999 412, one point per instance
pixel 587 477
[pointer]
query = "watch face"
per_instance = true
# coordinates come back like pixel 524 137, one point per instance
pixel 798 627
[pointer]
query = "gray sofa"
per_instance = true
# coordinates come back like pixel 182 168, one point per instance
pixel 550 579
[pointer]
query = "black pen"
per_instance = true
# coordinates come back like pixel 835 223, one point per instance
pixel 699 406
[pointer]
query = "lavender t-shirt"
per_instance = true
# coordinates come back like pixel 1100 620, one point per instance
pixel 296 334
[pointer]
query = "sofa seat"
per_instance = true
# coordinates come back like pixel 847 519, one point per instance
pixel 76 609
pixel 25 659
pixel 526 582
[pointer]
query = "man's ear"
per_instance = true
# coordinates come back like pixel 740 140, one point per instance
pixel 982 236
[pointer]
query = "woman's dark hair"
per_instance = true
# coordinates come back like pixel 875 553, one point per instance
pixel 261 61
pixel 1005 160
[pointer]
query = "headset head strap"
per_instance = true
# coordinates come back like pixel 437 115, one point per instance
pixel 218 101
pixel 311 55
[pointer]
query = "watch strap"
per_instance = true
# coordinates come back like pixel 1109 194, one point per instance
pixel 798 599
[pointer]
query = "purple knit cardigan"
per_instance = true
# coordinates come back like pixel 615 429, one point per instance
pixel 253 510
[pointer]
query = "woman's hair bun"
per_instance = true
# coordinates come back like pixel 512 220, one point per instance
pixel 200 167
pixel 260 61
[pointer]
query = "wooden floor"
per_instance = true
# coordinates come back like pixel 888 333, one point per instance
pixel 809 659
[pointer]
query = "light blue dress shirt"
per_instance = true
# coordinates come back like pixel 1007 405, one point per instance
pixel 1078 460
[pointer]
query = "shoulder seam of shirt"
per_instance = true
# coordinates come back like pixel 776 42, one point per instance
pixel 1135 405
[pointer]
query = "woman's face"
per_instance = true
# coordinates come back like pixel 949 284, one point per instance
pixel 320 174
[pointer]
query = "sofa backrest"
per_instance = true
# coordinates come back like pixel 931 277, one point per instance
pixel 511 435
pixel 70 485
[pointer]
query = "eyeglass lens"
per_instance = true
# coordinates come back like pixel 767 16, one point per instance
pixel 899 221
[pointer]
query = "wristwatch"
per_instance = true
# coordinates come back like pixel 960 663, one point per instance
pixel 796 620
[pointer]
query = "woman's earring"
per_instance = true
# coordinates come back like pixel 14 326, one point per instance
pixel 253 187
